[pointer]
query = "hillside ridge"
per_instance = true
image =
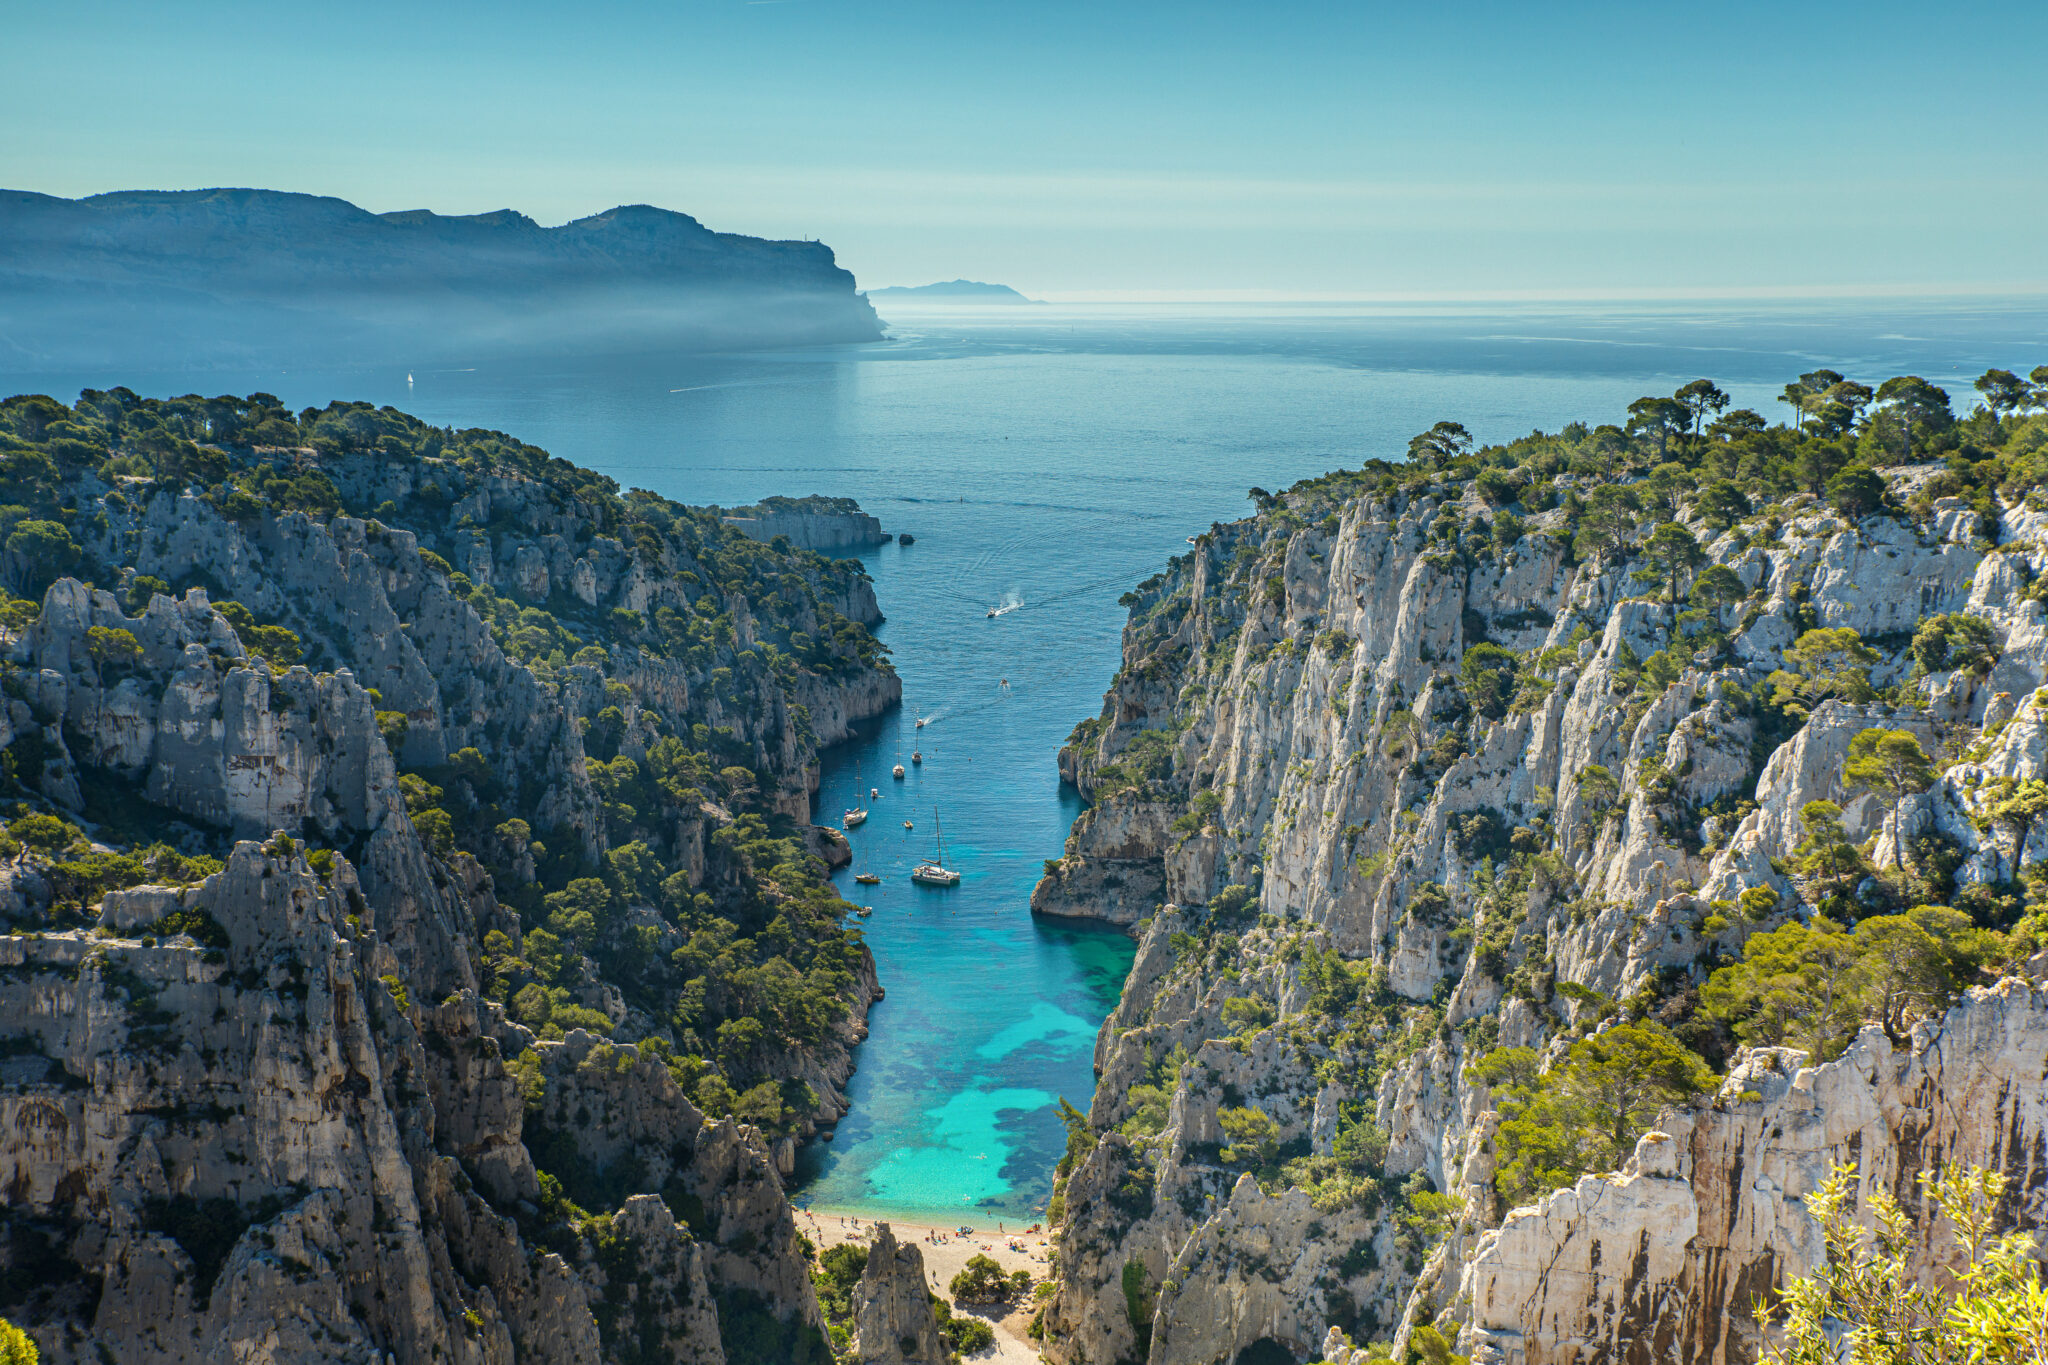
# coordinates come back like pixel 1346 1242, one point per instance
pixel 414 941
pixel 1653 797
pixel 212 277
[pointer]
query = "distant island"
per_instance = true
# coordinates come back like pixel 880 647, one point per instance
pixel 953 291
pixel 225 277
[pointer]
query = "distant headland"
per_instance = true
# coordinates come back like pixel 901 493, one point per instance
pixel 199 279
pixel 952 291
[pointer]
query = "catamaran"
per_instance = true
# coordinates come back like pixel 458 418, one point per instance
pixel 934 871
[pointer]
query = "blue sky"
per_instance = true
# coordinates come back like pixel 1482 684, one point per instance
pixel 1357 151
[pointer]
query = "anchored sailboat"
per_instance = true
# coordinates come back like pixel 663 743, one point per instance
pixel 865 877
pixel 934 871
pixel 856 814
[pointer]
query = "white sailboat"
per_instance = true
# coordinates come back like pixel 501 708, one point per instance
pixel 856 814
pixel 934 872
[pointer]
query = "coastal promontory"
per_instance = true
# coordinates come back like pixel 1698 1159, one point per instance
pixel 222 277
pixel 831 525
pixel 414 943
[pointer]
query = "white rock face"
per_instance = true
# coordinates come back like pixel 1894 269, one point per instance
pixel 269 1117
pixel 313 1166
pixel 814 530
pixel 1664 1262
pixel 1307 674
pixel 894 1323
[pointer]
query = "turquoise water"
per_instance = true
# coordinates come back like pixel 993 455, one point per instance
pixel 1051 457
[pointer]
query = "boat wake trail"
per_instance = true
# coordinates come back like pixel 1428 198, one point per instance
pixel 1081 590
pixel 956 712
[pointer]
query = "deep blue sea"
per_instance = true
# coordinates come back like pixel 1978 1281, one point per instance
pixel 1047 458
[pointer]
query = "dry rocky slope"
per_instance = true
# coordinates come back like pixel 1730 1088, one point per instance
pixel 412 942
pixel 1402 773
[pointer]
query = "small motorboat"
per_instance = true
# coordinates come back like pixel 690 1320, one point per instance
pixel 907 824
pixel 923 721
pixel 917 756
pixel 867 879
pixel 991 613
pixel 874 793
pixel 865 911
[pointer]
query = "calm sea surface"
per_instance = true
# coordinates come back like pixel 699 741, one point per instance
pixel 1047 458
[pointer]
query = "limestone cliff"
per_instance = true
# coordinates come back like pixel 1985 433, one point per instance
pixel 895 1324
pixel 1670 1258
pixel 813 523
pixel 1408 771
pixel 408 962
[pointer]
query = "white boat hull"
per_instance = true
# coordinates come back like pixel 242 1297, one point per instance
pixel 932 875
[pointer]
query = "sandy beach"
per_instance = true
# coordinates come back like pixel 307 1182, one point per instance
pixel 946 1253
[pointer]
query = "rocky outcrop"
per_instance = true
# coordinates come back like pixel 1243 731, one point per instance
pixel 1112 869
pixel 1668 1260
pixel 297 1071
pixel 216 1125
pixel 813 523
pixel 265 1147
pixel 1236 1282
pixel 893 1321
pixel 1353 870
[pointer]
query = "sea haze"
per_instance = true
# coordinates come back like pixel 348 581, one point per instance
pixel 1047 459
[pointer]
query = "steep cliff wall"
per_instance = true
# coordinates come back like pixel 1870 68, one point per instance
pixel 1670 1259
pixel 398 968
pixel 1414 770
